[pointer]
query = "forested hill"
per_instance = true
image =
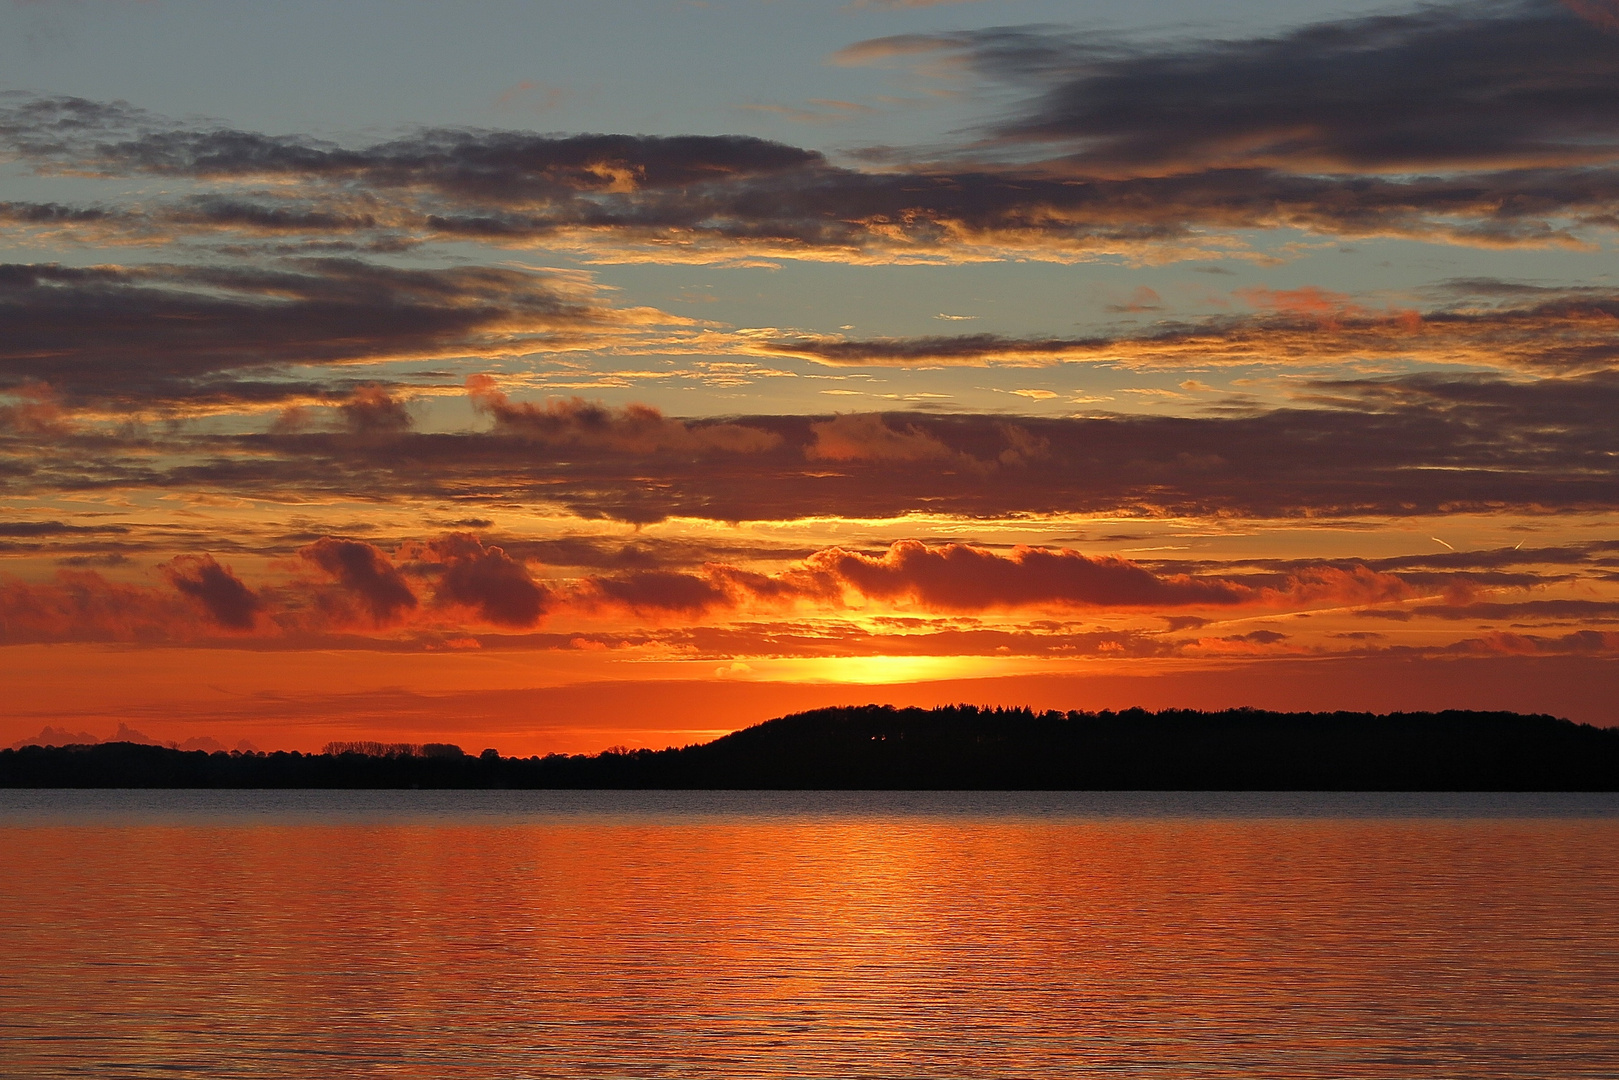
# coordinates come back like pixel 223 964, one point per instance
pixel 957 747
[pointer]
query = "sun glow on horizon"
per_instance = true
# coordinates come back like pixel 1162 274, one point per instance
pixel 308 425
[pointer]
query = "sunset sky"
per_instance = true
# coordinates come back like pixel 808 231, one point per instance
pixel 549 376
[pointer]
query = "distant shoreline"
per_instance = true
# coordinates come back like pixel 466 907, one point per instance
pixel 954 748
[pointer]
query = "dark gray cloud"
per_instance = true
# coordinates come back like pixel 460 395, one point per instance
pixel 55 528
pixel 1501 290
pixel 149 334
pixel 110 559
pixel 365 572
pixel 1585 611
pixel 50 127
pixel 493 585
pixel 496 167
pixel 216 589
pixel 48 214
pixel 1481 85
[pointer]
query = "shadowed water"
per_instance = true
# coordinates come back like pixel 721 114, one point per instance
pixel 693 934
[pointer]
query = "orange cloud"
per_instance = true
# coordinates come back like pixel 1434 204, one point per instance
pixel 81 605
pixel 1308 300
pixel 1334 585
pixel 373 411
pixel 537 96
pixel 36 410
pixel 865 437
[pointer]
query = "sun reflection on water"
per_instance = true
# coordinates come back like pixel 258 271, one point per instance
pixel 801 943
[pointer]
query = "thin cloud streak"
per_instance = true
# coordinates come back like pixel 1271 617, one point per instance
pixel 1562 335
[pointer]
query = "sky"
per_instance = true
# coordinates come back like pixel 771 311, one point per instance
pixel 552 376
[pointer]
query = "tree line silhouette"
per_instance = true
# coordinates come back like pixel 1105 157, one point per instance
pixel 367 748
pixel 955 747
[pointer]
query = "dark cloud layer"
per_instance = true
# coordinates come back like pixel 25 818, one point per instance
pixel 1397 446
pixel 155 333
pixel 1482 123
pixel 958 577
pixel 935 212
pixel 1521 611
pixel 1463 86
pixel 1416 445
pixel 475 583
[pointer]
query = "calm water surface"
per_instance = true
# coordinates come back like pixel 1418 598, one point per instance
pixel 546 934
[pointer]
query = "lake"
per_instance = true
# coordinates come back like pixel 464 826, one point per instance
pixel 807 934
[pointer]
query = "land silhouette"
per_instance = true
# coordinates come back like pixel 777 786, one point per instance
pixel 957 747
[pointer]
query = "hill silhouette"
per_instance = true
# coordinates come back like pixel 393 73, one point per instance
pixel 958 747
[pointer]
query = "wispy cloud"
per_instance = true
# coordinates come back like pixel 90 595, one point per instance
pixel 1558 332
